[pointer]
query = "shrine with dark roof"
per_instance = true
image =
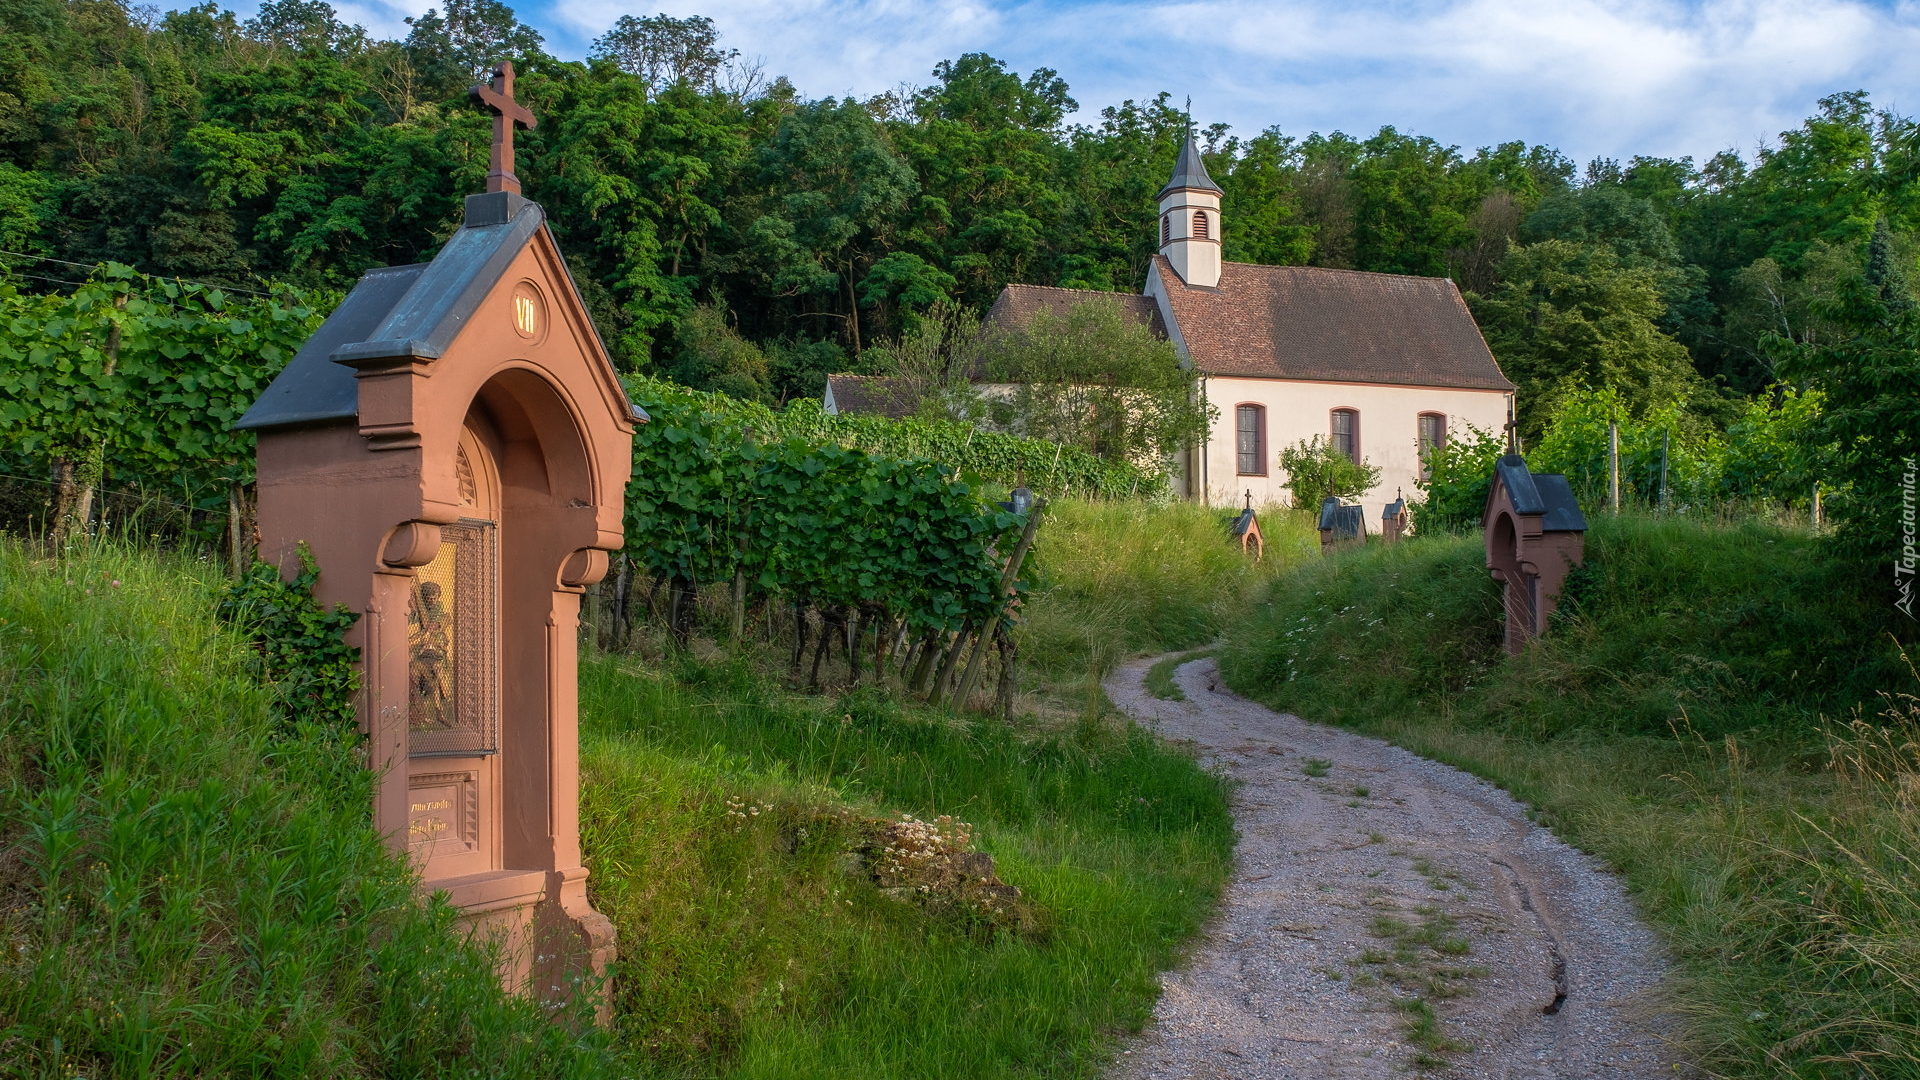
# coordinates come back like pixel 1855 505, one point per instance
pixel 451 447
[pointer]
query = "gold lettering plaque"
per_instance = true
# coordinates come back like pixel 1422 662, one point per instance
pixel 442 812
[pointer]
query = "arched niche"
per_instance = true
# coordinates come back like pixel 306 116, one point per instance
pixel 1535 536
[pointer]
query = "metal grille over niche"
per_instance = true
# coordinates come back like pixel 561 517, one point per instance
pixel 451 646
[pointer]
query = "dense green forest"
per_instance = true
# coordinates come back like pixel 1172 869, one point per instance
pixel 733 233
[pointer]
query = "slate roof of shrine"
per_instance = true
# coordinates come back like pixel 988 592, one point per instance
pixel 414 310
pixel 1546 494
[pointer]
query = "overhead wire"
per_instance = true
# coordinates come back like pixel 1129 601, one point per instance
pixel 89 266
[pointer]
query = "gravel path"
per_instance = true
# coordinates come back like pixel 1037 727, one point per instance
pixel 1368 878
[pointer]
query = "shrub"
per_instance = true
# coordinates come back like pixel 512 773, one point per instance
pixel 301 646
pixel 1459 477
pixel 1315 470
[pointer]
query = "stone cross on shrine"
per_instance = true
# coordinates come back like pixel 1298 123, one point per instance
pixel 497 96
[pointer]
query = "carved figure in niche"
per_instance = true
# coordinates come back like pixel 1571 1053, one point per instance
pixel 430 660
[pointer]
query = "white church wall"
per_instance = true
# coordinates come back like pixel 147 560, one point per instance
pixel 1389 432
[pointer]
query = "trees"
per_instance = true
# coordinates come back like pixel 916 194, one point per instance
pixel 831 188
pixel 982 142
pixel 713 356
pixel 290 147
pixel 933 363
pixel 1567 315
pixel 1412 201
pixel 1261 192
pixel 1095 378
pixel 1870 420
pixel 663 51
pixel 454 49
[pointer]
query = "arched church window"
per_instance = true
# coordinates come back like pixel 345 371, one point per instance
pixel 1166 229
pixel 1250 429
pixel 1433 435
pixel 1200 225
pixel 1346 433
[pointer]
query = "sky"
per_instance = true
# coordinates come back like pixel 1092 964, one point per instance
pixel 1593 78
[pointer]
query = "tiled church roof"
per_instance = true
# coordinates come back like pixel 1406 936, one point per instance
pixel 1310 323
pixel 869 395
pixel 1019 303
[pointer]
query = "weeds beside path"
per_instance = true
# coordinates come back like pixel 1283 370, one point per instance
pixel 1389 914
pixel 729 826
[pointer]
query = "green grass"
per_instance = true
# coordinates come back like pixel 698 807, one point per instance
pixel 1120 579
pixel 182 893
pixel 1688 722
pixel 751 945
pixel 1159 681
pixel 188 893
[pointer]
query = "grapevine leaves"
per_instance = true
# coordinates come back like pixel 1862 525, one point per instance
pixel 818 522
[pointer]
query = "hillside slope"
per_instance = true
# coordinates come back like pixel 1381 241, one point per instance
pixel 184 890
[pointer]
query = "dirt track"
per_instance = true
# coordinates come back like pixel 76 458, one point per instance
pixel 1367 879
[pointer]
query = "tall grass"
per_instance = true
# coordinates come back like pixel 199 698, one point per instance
pixel 181 893
pixel 1121 578
pixel 719 816
pixel 1715 714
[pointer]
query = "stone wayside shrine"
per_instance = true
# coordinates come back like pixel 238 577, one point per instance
pixel 453 446
pixel 1394 519
pixel 1246 529
pixel 1341 524
pixel 1536 535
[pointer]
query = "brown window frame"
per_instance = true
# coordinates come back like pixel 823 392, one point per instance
pixel 1201 230
pixel 1353 435
pixel 1166 229
pixel 1420 441
pixel 1259 439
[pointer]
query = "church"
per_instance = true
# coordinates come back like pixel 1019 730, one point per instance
pixel 1381 366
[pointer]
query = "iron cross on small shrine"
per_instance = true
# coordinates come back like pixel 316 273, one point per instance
pixel 497 96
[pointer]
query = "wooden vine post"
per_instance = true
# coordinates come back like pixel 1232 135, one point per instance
pixel 1011 575
pixel 948 662
pixel 739 597
pixel 80 479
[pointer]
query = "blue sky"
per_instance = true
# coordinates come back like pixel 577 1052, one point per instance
pixel 1592 77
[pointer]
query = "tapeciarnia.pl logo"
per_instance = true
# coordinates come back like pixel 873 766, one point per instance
pixel 1903 567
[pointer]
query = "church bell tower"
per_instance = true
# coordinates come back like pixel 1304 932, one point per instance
pixel 1190 219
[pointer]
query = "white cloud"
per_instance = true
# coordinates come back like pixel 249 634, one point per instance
pixel 1612 77
pixel 827 47
pixel 381 18
pixel 1592 77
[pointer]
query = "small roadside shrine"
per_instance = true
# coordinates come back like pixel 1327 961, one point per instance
pixel 453 447
pixel 1340 524
pixel 1536 535
pixel 1394 519
pixel 1246 529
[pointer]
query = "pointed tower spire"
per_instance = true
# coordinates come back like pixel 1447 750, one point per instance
pixel 1190 218
pixel 1189 170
